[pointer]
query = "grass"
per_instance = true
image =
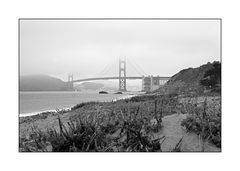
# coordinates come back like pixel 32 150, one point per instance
pixel 205 122
pixel 123 126
pixel 123 132
pixel 85 104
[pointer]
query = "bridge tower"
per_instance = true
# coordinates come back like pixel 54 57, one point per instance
pixel 122 75
pixel 70 83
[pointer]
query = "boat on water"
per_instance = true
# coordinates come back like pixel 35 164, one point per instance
pixel 119 92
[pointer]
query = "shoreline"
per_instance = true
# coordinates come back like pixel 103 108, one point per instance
pixel 40 112
pixel 21 115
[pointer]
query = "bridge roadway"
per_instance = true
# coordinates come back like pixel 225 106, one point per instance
pixel 112 78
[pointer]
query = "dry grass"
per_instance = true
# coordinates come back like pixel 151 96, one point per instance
pixel 205 121
pixel 123 126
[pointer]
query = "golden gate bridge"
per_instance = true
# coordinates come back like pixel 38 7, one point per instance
pixel 149 83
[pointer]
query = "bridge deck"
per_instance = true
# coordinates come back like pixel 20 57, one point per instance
pixel 112 78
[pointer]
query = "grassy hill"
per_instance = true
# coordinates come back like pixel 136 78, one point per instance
pixel 203 79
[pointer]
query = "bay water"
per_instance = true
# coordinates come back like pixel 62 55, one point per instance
pixel 35 102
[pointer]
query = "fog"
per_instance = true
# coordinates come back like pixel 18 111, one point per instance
pixel 86 47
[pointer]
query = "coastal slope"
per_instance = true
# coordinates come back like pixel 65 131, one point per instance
pixel 41 83
pixel 206 78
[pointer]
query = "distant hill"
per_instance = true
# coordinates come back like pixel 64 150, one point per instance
pixel 89 86
pixel 95 86
pixel 206 78
pixel 41 83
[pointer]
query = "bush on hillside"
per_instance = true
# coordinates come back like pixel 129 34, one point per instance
pixel 212 78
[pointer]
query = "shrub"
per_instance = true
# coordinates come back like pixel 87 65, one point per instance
pixel 206 123
pixel 121 129
pixel 84 104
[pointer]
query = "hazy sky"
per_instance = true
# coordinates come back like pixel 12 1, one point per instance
pixel 86 47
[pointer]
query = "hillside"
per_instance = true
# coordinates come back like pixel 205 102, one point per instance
pixel 41 83
pixel 206 78
pixel 89 86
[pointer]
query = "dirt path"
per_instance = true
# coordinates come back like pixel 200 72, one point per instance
pixel 173 131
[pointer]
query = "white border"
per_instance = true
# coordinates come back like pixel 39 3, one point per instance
pixel 12 10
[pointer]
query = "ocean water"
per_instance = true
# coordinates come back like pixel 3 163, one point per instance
pixel 36 102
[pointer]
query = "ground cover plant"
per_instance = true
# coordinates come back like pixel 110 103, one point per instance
pixel 122 126
pixel 205 121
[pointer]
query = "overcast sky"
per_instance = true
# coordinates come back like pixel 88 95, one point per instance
pixel 87 47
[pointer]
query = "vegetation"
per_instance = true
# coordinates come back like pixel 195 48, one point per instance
pixel 84 104
pixel 205 121
pixel 142 98
pixel 125 131
pixel 125 126
pixel 212 78
pixel 194 80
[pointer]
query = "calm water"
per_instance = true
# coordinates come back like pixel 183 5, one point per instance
pixel 34 102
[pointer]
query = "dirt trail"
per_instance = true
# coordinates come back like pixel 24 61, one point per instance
pixel 173 131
